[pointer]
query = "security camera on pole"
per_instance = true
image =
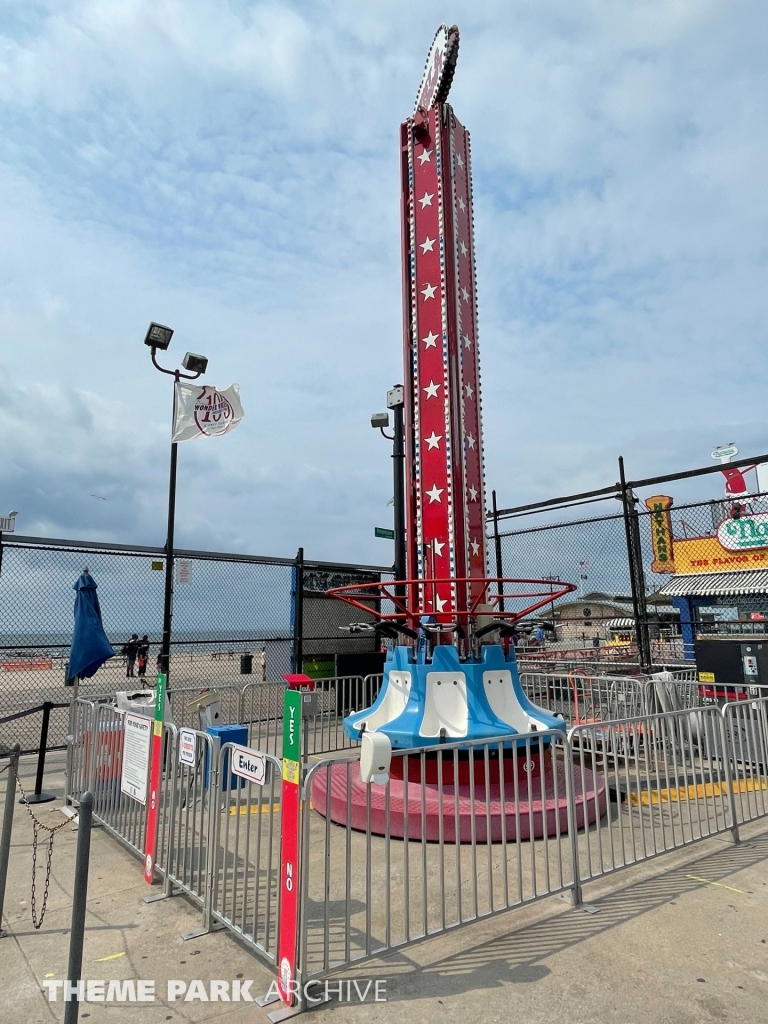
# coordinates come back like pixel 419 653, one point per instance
pixel 197 412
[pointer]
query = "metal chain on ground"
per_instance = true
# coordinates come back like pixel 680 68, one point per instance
pixel 51 830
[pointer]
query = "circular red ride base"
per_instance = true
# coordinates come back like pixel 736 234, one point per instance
pixel 524 816
pixel 452 763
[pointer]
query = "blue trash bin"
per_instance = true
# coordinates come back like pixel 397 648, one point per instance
pixel 228 734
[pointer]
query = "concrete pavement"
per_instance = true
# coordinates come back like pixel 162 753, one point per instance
pixel 683 939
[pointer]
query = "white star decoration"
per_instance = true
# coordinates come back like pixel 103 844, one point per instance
pixel 459 161
pixel 429 291
pixel 465 294
pixel 440 603
pixel 434 494
pixel 467 341
pixel 423 158
pixel 431 389
pixel 470 390
pixel 427 245
pixel 464 249
pixel 475 547
pixel 473 494
pixel 426 199
pixel 433 441
pixel 462 205
pixel 438 546
pixel 470 441
pixel 430 341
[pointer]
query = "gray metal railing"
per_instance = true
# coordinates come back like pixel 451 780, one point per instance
pixel 669 781
pixel 375 879
pixel 385 879
pixel 188 801
pixel 244 874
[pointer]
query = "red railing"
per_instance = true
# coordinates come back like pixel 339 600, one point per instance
pixel 413 599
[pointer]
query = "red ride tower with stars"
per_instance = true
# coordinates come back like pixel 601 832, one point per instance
pixel 448 678
pixel 444 463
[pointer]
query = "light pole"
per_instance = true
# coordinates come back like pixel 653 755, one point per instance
pixel 629 501
pixel 159 337
pixel 379 420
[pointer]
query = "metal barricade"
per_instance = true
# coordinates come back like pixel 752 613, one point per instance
pixel 187 800
pixel 581 697
pixel 120 814
pixel 186 718
pixel 95 745
pixel 672 694
pixel 261 709
pixel 685 674
pixel 746 729
pixel 81 718
pixel 338 697
pixel 374 877
pixel 365 891
pixel 245 873
pixel 606 698
pixel 669 781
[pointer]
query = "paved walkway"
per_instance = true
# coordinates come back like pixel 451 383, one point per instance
pixel 682 940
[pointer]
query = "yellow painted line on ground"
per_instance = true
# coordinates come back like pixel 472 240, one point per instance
pixel 703 789
pixel 112 956
pixel 720 885
pixel 258 808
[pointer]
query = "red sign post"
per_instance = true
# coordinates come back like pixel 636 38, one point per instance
pixel 289 848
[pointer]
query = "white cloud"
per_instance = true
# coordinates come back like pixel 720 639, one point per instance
pixel 232 169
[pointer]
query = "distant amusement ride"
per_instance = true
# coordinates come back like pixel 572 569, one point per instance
pixel 452 675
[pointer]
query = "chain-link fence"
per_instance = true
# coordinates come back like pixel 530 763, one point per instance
pixel 657 567
pixel 235 618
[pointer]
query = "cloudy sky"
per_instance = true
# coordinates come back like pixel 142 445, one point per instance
pixel 230 168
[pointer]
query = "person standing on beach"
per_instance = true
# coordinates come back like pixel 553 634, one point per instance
pixel 130 650
pixel 143 655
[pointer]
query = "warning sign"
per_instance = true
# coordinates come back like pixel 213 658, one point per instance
pixel 138 733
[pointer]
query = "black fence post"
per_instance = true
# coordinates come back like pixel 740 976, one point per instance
pixel 398 463
pixel 636 573
pixel 80 897
pixel 298 613
pixel 39 797
pixel 5 836
pixel 497 548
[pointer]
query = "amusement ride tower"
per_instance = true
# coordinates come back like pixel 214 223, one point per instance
pixel 451 675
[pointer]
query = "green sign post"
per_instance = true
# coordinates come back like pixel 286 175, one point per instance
pixel 383 532
pixel 155 775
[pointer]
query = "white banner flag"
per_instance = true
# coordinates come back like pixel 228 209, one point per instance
pixel 205 411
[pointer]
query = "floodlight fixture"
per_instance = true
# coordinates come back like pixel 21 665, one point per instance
pixel 12 515
pixel 379 420
pixel 158 336
pixel 395 396
pixel 195 363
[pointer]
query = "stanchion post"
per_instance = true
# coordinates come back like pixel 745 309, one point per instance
pixel 576 894
pixel 77 933
pixel 497 550
pixel 39 797
pixel 5 838
pixel 298 612
pixel 727 761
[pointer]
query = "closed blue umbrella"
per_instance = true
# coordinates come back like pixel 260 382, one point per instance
pixel 90 647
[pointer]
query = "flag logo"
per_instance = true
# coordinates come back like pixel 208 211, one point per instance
pixel 205 411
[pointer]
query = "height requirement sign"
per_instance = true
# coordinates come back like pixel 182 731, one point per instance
pixel 289 847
